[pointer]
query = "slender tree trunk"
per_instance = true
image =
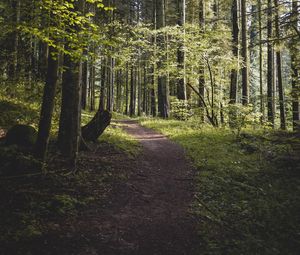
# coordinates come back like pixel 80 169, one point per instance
pixel 163 101
pixel 127 90
pixel 112 85
pixel 295 66
pixel 139 87
pixel 235 51
pixel 181 86
pixel 201 67
pixel 279 71
pixel 132 94
pixel 41 145
pixel 119 91
pixel 245 68
pixel 85 79
pixel 92 85
pixel 103 82
pixel 145 90
pixel 261 90
pixel 270 65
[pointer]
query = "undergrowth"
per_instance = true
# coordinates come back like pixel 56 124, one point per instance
pixel 247 189
pixel 34 203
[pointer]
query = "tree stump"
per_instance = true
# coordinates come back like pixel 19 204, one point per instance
pixel 95 128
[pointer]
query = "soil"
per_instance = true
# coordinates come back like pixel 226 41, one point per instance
pixel 147 213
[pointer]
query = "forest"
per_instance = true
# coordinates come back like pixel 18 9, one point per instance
pixel 149 127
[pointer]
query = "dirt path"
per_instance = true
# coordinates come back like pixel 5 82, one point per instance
pixel 149 214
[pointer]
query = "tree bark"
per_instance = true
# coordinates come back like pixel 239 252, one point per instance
pixel 181 82
pixel 295 70
pixel 244 51
pixel 69 132
pixel 261 90
pixel 84 84
pixel 42 141
pixel 201 65
pixel 132 94
pixel 270 65
pixel 163 102
pixel 92 130
pixel 235 51
pixel 279 71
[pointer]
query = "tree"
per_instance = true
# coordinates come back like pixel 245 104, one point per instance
pixel 270 78
pixel 244 53
pixel 279 70
pixel 235 51
pixel 202 66
pixel 41 146
pixel 163 100
pixel 295 68
pixel 181 86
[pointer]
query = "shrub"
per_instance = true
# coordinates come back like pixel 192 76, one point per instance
pixel 181 109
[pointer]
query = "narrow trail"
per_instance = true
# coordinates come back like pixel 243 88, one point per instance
pixel 149 214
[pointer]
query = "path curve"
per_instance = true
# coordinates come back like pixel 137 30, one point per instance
pixel 149 214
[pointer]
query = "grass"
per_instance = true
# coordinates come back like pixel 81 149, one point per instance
pixel 247 189
pixel 115 135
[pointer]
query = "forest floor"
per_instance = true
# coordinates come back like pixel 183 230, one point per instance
pixel 149 212
pixel 141 206
pixel 186 188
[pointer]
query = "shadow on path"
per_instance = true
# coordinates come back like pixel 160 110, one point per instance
pixel 149 214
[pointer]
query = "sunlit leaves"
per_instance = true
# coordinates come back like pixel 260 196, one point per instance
pixel 65 22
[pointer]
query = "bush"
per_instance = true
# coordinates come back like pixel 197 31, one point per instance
pixel 240 116
pixel 180 109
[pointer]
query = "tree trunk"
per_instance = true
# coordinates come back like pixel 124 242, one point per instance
pixel 181 83
pixel 201 67
pixel 295 70
pixel 235 51
pixel 92 86
pixel 139 87
pixel 245 68
pixel 261 90
pixel 270 65
pixel 279 71
pixel 103 81
pixel 42 141
pixel 126 91
pixel 69 132
pixel 132 94
pixel 163 103
pixel 84 84
pixel 92 130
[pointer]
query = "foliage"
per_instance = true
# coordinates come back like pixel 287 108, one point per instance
pixel 242 116
pixel 180 109
pixel 67 24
